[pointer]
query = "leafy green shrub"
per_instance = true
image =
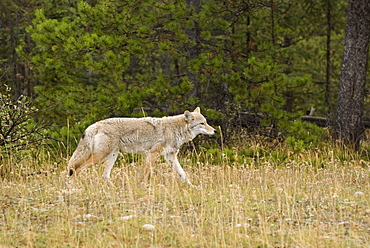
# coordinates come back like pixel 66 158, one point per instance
pixel 303 135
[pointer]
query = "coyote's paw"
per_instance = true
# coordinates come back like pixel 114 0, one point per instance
pixel 189 183
pixel 109 182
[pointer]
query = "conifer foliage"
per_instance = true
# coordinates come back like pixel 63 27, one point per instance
pixel 94 59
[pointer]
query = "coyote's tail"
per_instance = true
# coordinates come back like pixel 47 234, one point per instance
pixel 82 152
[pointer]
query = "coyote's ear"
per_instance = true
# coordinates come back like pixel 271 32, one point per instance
pixel 197 110
pixel 188 116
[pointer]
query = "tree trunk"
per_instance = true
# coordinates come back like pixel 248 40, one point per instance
pixel 193 50
pixel 348 126
pixel 328 59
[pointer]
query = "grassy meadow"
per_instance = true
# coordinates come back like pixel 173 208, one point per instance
pixel 316 198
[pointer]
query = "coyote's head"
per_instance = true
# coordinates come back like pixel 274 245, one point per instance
pixel 197 123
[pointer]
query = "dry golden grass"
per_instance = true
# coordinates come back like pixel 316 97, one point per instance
pixel 257 204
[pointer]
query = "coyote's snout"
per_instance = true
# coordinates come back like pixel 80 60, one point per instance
pixel 102 141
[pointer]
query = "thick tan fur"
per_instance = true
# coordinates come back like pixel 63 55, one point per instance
pixel 102 141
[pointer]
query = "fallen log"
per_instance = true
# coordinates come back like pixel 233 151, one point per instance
pixel 319 121
pixel 253 120
pixel 324 122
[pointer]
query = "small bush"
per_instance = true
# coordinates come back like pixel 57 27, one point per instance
pixel 303 135
pixel 18 128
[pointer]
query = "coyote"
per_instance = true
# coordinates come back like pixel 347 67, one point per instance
pixel 102 141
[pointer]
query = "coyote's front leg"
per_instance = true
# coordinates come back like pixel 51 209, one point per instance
pixel 171 159
pixel 112 157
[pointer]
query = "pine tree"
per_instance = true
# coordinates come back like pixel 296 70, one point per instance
pixel 105 58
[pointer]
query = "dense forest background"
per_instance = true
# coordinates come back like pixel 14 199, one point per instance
pixel 69 63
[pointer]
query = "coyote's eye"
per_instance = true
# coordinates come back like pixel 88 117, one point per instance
pixel 202 123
